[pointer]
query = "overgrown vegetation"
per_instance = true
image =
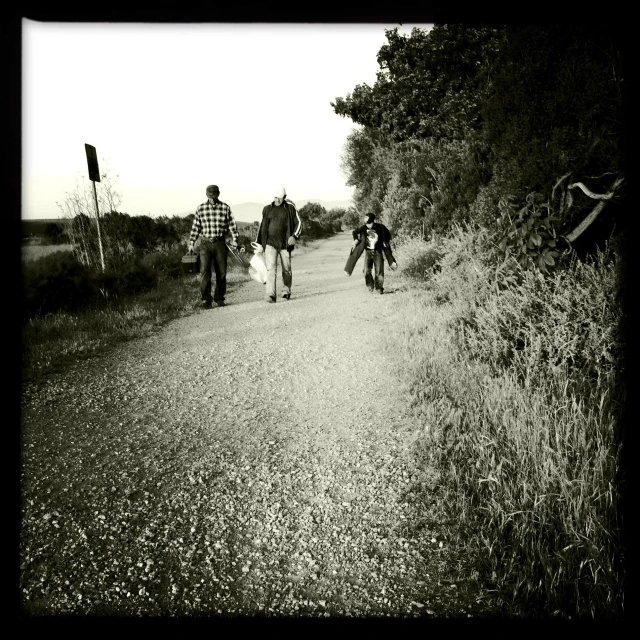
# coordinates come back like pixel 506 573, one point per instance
pixel 461 118
pixel 522 393
pixel 320 223
pixel 53 340
pixel 491 153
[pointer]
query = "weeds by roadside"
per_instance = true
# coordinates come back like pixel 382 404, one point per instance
pixel 54 340
pixel 521 392
pixel 95 317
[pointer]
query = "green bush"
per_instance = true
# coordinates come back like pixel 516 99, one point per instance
pixel 53 282
pixel 422 263
pixel 166 263
pixel 135 277
pixel 314 230
pixel 59 282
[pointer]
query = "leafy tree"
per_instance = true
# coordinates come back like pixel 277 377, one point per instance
pixel 462 117
pixel 334 217
pixel 365 165
pixel 351 219
pixel 312 211
pixel 419 160
pixel 429 83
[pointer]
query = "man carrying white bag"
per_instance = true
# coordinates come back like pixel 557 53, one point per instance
pixel 279 230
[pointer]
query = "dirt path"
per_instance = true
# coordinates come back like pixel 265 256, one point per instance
pixel 249 459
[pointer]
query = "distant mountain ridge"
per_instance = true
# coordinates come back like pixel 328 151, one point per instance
pixel 251 211
pixel 243 212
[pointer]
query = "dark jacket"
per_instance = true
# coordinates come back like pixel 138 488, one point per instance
pixel 293 223
pixel 357 251
pixel 384 235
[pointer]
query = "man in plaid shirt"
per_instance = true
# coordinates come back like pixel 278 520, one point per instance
pixel 213 221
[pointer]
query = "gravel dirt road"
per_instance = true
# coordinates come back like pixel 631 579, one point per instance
pixel 251 459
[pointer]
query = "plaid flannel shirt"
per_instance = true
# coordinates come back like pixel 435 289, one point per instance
pixel 213 220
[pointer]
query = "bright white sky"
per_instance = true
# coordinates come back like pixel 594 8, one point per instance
pixel 172 108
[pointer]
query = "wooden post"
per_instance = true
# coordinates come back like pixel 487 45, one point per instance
pixel 95 197
pixel 94 175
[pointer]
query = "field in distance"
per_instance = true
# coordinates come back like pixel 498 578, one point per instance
pixel 35 251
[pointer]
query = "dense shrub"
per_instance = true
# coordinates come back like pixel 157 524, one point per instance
pixel 59 282
pixel 54 234
pixel 314 230
pixel 420 260
pixel 166 263
pixel 135 277
pixel 55 281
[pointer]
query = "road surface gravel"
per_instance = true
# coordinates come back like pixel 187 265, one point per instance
pixel 248 460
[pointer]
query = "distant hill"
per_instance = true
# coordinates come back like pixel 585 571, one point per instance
pixel 251 211
pixel 243 212
pixel 247 211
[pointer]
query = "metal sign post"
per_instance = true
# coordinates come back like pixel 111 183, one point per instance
pixel 94 176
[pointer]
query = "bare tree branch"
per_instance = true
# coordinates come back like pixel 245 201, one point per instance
pixel 571 237
pixel 606 173
pixel 596 196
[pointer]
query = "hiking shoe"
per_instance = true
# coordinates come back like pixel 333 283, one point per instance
pixel 381 291
pixel 394 266
pixel 206 304
pixel 370 289
pixel 271 299
pixel 220 303
pixel 286 296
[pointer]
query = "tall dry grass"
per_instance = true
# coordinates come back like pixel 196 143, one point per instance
pixel 521 393
pixel 52 341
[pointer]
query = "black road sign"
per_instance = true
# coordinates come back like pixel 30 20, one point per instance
pixel 92 161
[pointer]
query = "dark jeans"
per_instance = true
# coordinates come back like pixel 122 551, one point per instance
pixel 374 259
pixel 213 254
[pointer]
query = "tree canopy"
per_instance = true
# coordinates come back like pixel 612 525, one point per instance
pixel 464 117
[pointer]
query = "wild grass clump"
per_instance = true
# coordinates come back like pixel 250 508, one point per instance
pixel 60 282
pixel 420 260
pixel 566 325
pixel 52 341
pixel 521 394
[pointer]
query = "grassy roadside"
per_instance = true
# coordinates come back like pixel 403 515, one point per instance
pixel 521 395
pixel 51 342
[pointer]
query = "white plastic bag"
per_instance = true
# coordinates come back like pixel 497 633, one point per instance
pixel 258 267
